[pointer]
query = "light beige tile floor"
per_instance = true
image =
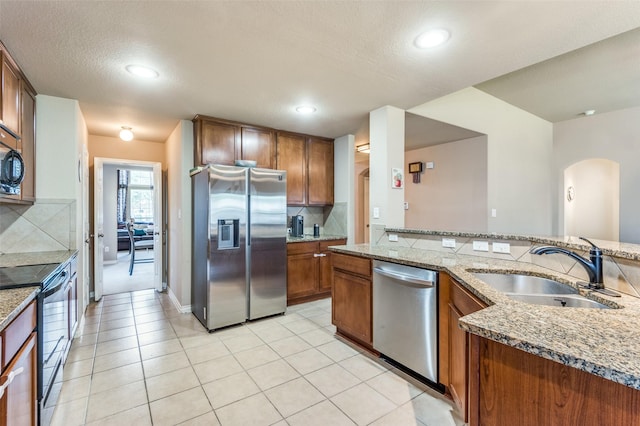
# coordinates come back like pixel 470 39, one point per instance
pixel 138 361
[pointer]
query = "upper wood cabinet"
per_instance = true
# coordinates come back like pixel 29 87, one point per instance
pixel 320 166
pixel 292 157
pixel 17 112
pixel 10 107
pixel 28 141
pixel 308 161
pixel 259 145
pixel 223 142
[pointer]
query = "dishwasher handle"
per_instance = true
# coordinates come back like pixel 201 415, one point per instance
pixel 407 280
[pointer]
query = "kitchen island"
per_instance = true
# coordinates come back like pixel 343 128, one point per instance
pixel 600 342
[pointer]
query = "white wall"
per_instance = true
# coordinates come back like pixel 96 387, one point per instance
pixel 453 195
pixel 179 155
pixel 386 133
pixel 613 136
pixel 519 149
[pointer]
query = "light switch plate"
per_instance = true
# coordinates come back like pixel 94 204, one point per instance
pixel 481 246
pixel 406 206
pixel 376 212
pixel 502 248
pixel 393 237
pixel 449 242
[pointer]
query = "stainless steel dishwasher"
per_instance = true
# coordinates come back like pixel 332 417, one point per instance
pixel 405 316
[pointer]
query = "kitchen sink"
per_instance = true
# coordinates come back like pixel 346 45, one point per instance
pixel 538 290
pixel 528 284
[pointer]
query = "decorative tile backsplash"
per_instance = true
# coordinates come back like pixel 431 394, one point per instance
pixel 332 219
pixel 48 225
pixel 619 274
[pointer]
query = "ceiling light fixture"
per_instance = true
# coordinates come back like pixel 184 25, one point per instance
pixel 126 134
pixel 306 109
pixel 589 112
pixel 142 71
pixel 432 38
pixel 365 149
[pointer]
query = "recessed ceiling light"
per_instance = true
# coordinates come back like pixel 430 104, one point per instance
pixel 141 71
pixel 126 134
pixel 432 38
pixel 589 112
pixel 306 109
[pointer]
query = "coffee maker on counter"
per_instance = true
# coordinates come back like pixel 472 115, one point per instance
pixel 297 226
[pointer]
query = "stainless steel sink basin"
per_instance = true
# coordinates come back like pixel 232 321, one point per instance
pixel 537 290
pixel 528 284
pixel 559 300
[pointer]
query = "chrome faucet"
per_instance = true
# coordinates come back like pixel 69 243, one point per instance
pixel 593 266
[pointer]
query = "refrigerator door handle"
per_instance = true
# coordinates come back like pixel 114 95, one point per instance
pixel 248 218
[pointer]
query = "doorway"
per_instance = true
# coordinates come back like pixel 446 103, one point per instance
pixel 592 199
pixel 127 197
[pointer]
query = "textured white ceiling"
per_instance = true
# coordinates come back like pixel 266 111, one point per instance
pixel 255 61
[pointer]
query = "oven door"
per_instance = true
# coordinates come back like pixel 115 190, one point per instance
pixel 54 331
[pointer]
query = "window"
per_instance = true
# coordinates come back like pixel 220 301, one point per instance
pixel 141 195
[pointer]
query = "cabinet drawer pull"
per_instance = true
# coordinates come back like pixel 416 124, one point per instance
pixel 319 255
pixel 12 375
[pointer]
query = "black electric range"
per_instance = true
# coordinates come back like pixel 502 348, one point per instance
pixel 26 276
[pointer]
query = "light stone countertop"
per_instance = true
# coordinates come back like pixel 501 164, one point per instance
pixel 604 342
pixel 310 238
pixel 13 301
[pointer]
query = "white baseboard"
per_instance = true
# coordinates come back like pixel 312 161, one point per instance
pixel 186 309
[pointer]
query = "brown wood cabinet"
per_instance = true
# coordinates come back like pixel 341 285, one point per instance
pixel 292 157
pixel 351 298
pixel 320 175
pixel 17 112
pixel 10 107
pixel 309 270
pixel 519 388
pixel 28 141
pixel 223 142
pixel 18 403
pixel 456 361
pixel 308 161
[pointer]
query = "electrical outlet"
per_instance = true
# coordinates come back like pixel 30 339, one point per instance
pixel 502 248
pixel 393 237
pixel 481 246
pixel 449 242
pixel 406 206
pixel 106 249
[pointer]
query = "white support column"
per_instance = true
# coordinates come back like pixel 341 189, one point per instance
pixel 386 137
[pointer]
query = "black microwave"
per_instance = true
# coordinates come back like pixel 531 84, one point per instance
pixel 11 163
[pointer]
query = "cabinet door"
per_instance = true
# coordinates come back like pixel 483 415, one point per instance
pixel 216 142
pixel 302 275
pixel 28 143
pixel 320 161
pixel 259 145
pixel 10 95
pixel 458 361
pixel 292 150
pixel 326 264
pixel 18 403
pixel 351 306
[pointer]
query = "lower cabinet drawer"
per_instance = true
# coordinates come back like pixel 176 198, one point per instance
pixel 17 332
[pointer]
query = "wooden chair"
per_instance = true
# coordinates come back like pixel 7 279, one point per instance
pixel 137 243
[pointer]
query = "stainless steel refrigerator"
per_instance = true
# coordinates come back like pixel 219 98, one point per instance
pixel 239 249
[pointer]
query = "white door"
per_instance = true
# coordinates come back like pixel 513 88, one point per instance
pixel 98 218
pixel 98 227
pixel 157 226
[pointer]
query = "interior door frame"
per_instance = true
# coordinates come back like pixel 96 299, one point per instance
pixel 98 220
